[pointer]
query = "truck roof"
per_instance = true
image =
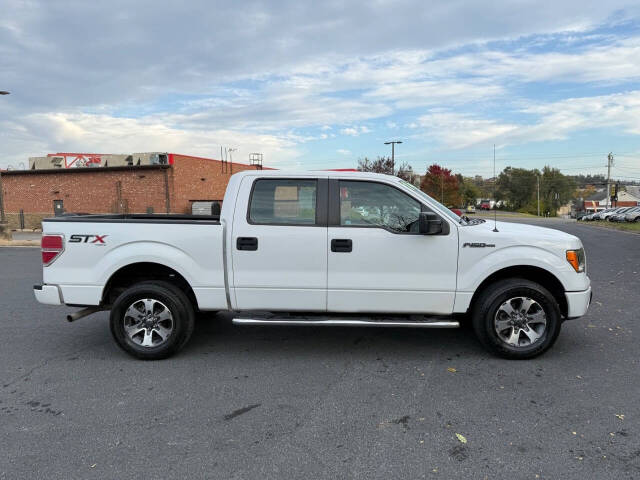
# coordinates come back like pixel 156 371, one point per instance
pixel 315 173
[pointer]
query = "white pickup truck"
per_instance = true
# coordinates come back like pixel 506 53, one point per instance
pixel 316 248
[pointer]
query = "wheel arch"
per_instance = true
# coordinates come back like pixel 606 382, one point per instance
pixel 133 273
pixel 535 274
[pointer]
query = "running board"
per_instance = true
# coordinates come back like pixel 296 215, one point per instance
pixel 345 322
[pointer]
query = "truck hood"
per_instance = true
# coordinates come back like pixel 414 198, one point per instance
pixel 510 234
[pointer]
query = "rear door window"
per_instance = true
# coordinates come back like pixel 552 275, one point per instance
pixel 283 202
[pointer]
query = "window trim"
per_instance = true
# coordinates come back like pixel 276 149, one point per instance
pixel 334 207
pixel 321 202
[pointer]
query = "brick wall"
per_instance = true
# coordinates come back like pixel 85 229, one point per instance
pixel 97 190
pixel 197 178
pixel 85 191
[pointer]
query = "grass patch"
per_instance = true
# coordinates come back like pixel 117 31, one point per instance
pixel 501 214
pixel 626 226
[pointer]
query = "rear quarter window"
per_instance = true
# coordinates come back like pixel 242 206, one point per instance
pixel 283 202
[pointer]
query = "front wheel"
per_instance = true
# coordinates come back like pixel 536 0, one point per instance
pixel 516 319
pixel 152 320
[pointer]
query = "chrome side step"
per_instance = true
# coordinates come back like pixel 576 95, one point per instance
pixel 346 322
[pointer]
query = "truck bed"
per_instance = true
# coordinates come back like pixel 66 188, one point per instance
pixel 97 247
pixel 137 218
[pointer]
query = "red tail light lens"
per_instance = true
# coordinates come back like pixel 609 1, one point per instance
pixel 52 247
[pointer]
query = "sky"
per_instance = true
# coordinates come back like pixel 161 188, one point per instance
pixel 315 85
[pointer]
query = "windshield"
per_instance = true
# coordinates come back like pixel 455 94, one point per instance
pixel 429 199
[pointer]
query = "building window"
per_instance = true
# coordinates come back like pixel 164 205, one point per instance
pixel 283 202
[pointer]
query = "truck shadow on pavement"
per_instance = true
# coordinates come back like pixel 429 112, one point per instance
pixel 216 332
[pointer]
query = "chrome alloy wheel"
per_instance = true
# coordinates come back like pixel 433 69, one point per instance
pixel 148 322
pixel 520 322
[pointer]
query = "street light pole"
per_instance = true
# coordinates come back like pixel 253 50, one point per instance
pixel 393 151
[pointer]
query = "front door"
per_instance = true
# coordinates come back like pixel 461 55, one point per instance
pixel 279 242
pixel 378 260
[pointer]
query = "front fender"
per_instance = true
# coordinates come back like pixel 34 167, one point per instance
pixel 475 266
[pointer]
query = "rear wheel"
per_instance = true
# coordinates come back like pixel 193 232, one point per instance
pixel 516 318
pixel 152 320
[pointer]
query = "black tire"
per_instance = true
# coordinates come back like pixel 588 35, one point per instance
pixel 165 294
pixel 490 301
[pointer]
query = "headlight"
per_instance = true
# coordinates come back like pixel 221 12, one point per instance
pixel 576 259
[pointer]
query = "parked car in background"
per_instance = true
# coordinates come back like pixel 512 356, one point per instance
pixel 633 215
pixel 621 215
pixel 485 205
pixel 616 211
pixel 599 215
pixel 471 209
pixel 587 217
pixel 457 211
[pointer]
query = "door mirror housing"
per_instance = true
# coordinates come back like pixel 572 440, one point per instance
pixel 430 223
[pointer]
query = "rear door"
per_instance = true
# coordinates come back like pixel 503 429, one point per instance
pixel 279 240
pixel 378 261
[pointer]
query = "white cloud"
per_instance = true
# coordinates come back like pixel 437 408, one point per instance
pixel 551 121
pixel 155 77
pixel 457 130
pixel 343 151
pixel 355 131
pixel 50 132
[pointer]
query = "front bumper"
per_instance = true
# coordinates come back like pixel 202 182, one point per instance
pixel 578 302
pixel 47 294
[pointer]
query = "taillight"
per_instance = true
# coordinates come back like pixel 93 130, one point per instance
pixel 52 247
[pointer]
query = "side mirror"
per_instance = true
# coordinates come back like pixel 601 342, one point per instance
pixel 430 223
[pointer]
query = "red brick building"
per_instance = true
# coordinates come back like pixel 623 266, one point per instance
pixel 169 188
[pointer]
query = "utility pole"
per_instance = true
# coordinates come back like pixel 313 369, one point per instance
pixel 4 227
pixel 609 163
pixel 393 151
pixel 231 150
pixel 538 194
pixel 2 216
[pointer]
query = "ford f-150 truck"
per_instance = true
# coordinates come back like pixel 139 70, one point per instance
pixel 316 248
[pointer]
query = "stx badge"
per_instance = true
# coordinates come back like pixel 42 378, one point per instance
pixel 99 239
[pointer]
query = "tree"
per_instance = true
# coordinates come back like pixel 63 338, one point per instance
pixel 441 184
pixel 379 165
pixel 517 187
pixel 406 173
pixel 468 190
pixel 556 190
pixel 385 165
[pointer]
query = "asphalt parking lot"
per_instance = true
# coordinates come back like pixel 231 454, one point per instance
pixel 284 403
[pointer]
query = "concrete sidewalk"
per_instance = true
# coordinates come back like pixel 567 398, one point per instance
pixel 22 239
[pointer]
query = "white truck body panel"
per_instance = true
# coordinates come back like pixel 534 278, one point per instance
pixel 387 272
pixel 289 269
pixel 192 250
pixel 294 269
